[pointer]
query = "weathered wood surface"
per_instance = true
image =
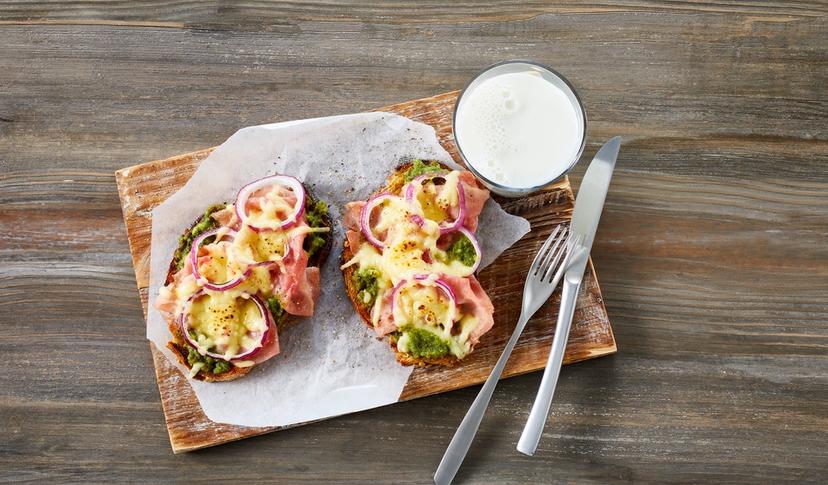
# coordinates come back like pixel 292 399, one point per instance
pixel 711 253
pixel 141 188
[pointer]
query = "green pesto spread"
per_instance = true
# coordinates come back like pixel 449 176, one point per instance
pixel 419 167
pixel 460 250
pixel 275 308
pixel 315 213
pixel 185 242
pixel 216 366
pixel 366 281
pixel 424 344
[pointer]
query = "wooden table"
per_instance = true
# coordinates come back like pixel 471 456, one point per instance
pixel 712 252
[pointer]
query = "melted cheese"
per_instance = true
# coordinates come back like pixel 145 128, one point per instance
pixel 226 323
pixel 273 208
pixel 251 247
pixel 423 304
pixel 394 216
pixel 436 201
pixel 219 267
pixel 196 367
pixel 257 282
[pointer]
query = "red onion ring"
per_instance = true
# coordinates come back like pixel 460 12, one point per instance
pixel 284 180
pixel 410 196
pixel 477 249
pixel 365 218
pixel 261 337
pixel 439 283
pixel 194 261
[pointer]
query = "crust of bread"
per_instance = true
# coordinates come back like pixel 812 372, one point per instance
pixel 393 184
pixel 178 343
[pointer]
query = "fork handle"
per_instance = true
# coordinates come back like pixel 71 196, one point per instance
pixel 463 437
pixel 531 435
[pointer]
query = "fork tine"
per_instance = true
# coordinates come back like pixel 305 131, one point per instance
pixel 551 267
pixel 555 271
pixel 551 258
pixel 554 236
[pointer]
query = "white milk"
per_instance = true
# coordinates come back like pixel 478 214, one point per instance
pixel 519 130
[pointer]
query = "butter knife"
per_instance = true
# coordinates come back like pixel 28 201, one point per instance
pixel 585 217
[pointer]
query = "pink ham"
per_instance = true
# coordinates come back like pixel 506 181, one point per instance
pixel 166 301
pixel 257 198
pixel 298 285
pixel 227 217
pixel 476 198
pixel 472 300
pixel 386 324
pixel 270 347
pixel 352 231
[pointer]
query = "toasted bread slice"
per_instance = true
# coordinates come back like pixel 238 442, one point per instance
pixel 393 184
pixel 179 344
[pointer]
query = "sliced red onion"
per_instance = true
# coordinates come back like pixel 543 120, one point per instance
pixel 365 218
pixel 439 283
pixel 260 337
pixel 445 227
pixel 284 180
pixel 476 244
pixel 194 261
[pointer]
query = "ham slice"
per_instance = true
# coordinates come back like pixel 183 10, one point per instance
pixel 472 300
pixel 166 300
pixel 295 282
pixel 270 347
pixel 257 198
pixel 386 324
pixel 352 231
pixel 227 217
pixel 476 198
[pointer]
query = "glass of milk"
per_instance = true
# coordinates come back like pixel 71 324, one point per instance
pixel 519 126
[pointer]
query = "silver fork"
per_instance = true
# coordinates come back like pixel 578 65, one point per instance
pixel 544 274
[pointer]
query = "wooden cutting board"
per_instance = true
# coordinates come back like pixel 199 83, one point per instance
pixel 144 186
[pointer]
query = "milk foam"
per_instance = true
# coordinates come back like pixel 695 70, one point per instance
pixel 518 129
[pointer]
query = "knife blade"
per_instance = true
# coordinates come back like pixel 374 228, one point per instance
pixel 588 207
pixel 590 201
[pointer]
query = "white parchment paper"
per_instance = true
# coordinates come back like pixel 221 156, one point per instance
pixel 330 364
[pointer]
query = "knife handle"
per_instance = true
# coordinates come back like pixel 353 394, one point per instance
pixel 531 435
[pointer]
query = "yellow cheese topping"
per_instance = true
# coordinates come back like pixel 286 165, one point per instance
pixel 274 209
pixel 255 247
pixel 226 323
pixel 423 303
pixel 436 204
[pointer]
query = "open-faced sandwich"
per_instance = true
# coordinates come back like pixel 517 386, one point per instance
pixel 239 272
pixel 409 260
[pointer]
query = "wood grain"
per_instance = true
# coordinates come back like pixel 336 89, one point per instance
pixel 144 186
pixel 711 253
